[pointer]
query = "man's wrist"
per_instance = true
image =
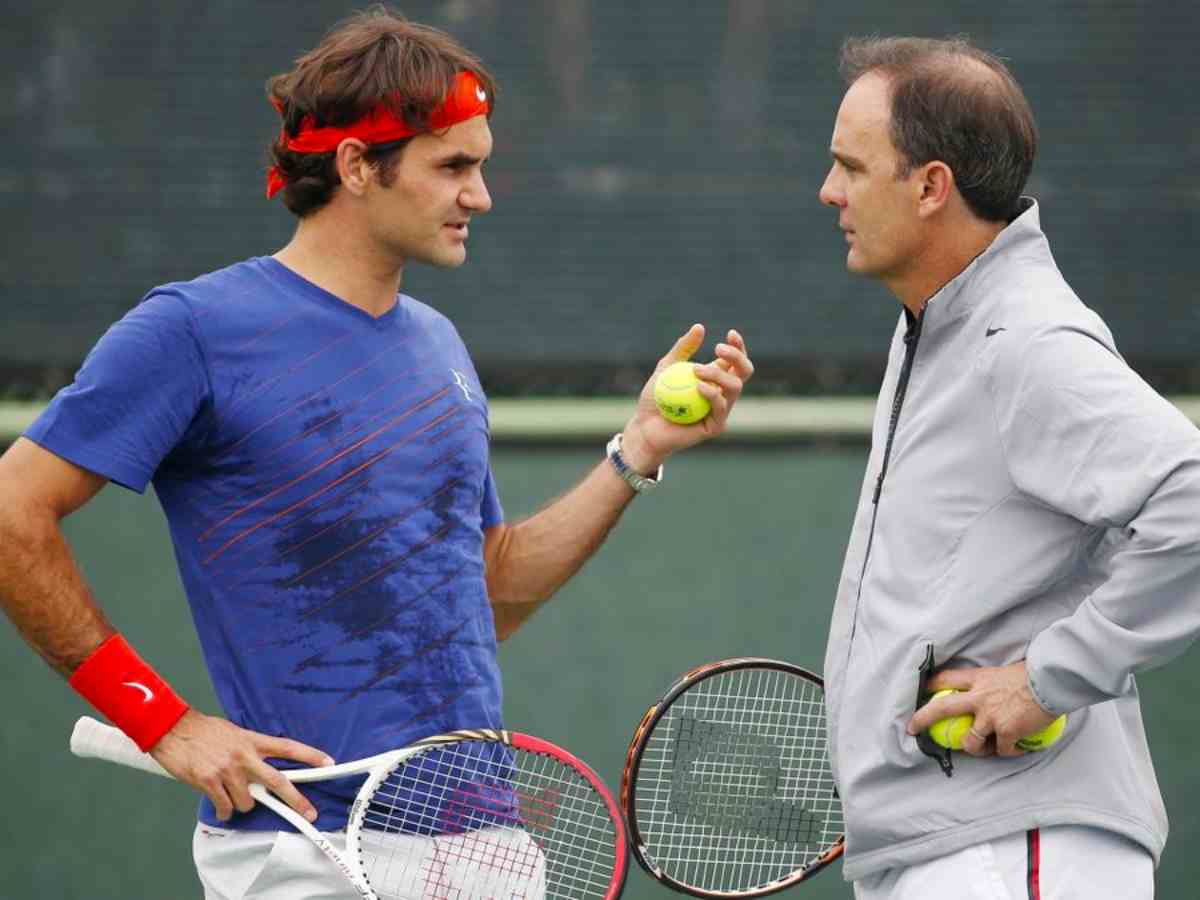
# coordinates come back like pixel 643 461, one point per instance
pixel 122 686
pixel 637 454
pixel 636 480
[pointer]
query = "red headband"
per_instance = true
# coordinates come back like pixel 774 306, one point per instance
pixel 466 99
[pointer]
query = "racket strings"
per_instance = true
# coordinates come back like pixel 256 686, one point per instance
pixel 733 788
pixel 485 820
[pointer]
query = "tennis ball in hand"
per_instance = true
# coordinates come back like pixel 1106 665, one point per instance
pixel 1049 735
pixel 677 396
pixel 949 732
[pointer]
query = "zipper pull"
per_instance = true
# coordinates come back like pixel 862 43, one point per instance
pixel 878 489
pixel 926 744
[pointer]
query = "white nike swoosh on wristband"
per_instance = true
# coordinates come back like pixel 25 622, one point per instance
pixel 141 687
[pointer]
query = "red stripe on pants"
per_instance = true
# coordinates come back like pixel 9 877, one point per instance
pixel 1034 841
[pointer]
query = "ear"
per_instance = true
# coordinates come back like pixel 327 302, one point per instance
pixel 937 187
pixel 352 166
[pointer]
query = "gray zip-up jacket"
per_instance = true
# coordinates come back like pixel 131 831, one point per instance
pixel 1040 502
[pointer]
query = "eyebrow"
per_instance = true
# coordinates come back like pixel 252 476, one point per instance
pixel 461 159
pixel 845 160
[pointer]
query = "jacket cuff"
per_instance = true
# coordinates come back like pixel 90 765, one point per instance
pixel 1076 662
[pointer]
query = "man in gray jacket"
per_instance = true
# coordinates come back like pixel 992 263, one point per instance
pixel 1029 526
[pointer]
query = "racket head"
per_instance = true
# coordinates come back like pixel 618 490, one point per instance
pixel 488 813
pixel 727 787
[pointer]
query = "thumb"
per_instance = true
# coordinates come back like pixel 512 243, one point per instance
pixel 688 343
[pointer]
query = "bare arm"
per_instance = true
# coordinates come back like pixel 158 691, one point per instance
pixel 45 595
pixel 529 561
pixel 41 587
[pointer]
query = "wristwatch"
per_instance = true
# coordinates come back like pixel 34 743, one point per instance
pixel 635 480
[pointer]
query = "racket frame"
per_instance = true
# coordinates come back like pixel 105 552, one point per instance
pixel 633 760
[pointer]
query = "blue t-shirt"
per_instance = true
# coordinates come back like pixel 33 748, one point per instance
pixel 326 481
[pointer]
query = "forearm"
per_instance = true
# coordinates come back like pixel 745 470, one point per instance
pixel 43 591
pixel 532 559
pixel 529 561
pixel 1146 612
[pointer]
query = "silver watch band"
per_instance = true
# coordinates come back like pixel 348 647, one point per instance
pixel 635 480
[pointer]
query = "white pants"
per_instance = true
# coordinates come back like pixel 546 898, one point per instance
pixel 283 865
pixel 1065 862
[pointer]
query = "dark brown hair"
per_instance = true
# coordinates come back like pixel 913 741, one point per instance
pixel 376 56
pixel 960 105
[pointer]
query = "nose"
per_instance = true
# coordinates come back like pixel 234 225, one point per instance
pixel 831 193
pixel 475 196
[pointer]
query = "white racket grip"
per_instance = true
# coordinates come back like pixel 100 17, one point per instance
pixel 100 741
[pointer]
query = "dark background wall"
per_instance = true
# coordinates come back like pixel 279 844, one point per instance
pixel 656 164
pixel 737 554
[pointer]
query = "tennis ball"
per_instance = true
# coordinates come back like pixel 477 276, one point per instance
pixel 676 394
pixel 1049 735
pixel 949 732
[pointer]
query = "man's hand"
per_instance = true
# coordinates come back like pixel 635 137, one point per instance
pixel 649 438
pixel 222 760
pixel 1000 700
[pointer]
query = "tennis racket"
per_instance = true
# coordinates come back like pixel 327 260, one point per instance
pixel 467 814
pixel 727 787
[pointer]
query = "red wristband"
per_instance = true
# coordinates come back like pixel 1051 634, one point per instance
pixel 120 684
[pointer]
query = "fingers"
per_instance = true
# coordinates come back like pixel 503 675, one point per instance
pixel 688 343
pixel 222 761
pixel 229 788
pixel 978 742
pixel 952 680
pixel 940 708
pixel 221 801
pixel 285 748
pixel 721 387
pixel 722 381
pixel 1000 700
pixel 274 781
pixel 734 356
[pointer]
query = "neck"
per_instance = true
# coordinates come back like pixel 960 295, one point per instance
pixel 944 258
pixel 330 250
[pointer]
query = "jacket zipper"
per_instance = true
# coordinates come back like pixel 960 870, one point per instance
pixel 911 337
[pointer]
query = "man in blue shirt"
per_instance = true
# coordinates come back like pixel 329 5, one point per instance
pixel 319 443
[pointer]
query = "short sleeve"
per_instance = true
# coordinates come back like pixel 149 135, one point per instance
pixel 134 398
pixel 491 513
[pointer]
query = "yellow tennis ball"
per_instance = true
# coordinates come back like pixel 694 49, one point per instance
pixel 676 394
pixel 949 732
pixel 1048 736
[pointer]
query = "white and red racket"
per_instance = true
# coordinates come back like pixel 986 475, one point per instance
pixel 467 814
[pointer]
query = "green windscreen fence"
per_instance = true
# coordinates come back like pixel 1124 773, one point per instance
pixel 655 164
pixel 737 554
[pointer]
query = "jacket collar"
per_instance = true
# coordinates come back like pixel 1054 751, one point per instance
pixel 1019 237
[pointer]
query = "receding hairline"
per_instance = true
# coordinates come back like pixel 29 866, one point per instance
pixel 953 61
